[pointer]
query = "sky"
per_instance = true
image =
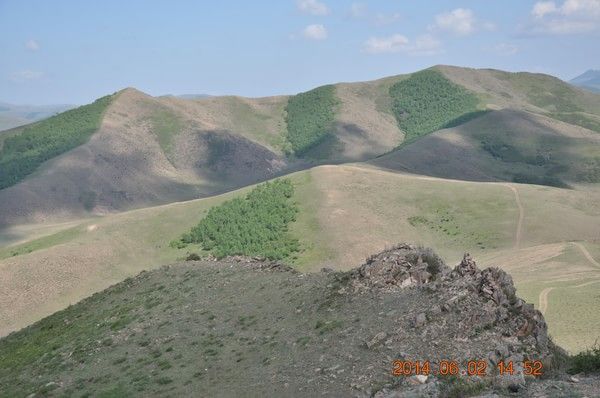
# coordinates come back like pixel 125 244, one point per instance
pixel 72 52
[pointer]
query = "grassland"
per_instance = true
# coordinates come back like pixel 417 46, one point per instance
pixel 23 153
pixel 345 214
pixel 166 125
pixel 309 119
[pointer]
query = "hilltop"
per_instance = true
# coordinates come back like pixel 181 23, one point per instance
pixel 249 327
pixel 589 80
pixel 147 150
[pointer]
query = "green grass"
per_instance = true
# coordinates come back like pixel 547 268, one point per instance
pixel 309 118
pixel 579 119
pixel 23 153
pixel 427 101
pixel 166 125
pixel 41 243
pixel 256 225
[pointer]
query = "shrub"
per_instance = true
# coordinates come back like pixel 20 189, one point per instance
pixel 192 257
pixel 587 361
pixel 427 101
pixel 309 118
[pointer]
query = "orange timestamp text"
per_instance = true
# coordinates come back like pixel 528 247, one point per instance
pixel 470 368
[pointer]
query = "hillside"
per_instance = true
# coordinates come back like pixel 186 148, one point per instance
pixel 243 327
pixel 505 145
pixel 17 115
pixel 147 151
pixel 345 213
pixel 590 80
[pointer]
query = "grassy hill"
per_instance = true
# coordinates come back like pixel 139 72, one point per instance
pixel 149 151
pixel 22 153
pixel 237 328
pixel 505 145
pixel 345 213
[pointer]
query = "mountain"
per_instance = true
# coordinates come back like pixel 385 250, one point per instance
pixel 255 328
pixel 589 80
pixel 18 115
pixel 148 151
pixel 503 165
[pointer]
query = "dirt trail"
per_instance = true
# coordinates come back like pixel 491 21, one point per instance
pixel 519 231
pixel 587 254
pixel 544 299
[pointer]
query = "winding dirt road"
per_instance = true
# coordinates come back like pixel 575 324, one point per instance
pixel 519 231
pixel 587 254
pixel 544 299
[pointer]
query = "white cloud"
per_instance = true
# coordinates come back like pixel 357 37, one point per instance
pixel 422 45
pixel 358 10
pixel 32 45
pixel 572 16
pixel 505 49
pixel 390 44
pixel 315 32
pixel 313 7
pixel 361 10
pixel 542 8
pixel 460 21
pixel 25 75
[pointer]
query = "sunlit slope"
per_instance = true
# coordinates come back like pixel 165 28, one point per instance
pixel 346 212
pixel 534 92
pixel 145 152
pixel 149 151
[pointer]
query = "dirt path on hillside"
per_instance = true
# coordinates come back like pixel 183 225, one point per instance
pixel 519 231
pixel 544 299
pixel 587 254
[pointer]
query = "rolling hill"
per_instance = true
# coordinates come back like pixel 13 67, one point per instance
pixel 371 164
pixel 346 212
pixel 242 327
pixel 148 151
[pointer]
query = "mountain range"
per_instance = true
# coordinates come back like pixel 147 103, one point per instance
pixel 503 165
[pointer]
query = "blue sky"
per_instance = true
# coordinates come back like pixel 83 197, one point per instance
pixel 76 51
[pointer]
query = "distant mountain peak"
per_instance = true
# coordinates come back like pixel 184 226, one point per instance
pixel 589 79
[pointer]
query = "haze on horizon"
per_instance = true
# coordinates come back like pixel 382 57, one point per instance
pixel 74 52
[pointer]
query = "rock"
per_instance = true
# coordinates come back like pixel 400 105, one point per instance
pixel 573 379
pixel 467 266
pixel 420 320
pixel 376 340
pixel 436 310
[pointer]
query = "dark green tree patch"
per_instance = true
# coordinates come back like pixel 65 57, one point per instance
pixel 23 153
pixel 427 101
pixel 309 118
pixel 256 225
